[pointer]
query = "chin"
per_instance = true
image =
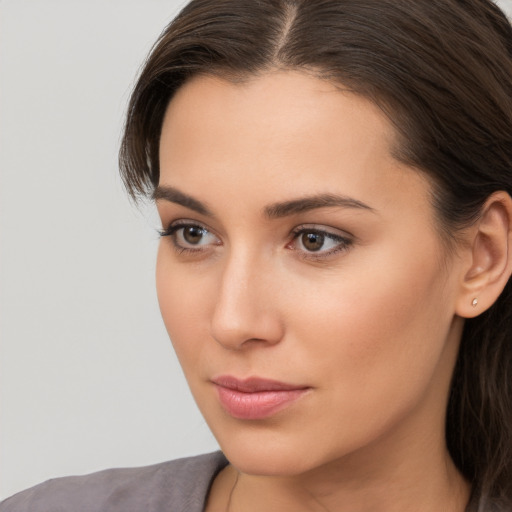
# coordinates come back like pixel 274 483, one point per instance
pixel 268 462
pixel 265 451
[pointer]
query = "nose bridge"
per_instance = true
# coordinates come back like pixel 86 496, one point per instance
pixel 246 309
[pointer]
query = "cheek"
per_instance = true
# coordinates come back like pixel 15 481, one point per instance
pixel 376 336
pixel 183 306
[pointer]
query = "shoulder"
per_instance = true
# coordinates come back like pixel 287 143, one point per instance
pixel 179 485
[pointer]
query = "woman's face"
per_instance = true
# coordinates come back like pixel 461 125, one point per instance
pixel 302 280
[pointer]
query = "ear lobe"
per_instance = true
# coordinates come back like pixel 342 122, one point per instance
pixel 490 257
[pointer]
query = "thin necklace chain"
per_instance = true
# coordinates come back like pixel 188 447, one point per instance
pixel 469 508
pixel 230 497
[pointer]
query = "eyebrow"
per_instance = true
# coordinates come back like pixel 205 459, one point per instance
pixel 173 195
pixel 295 206
pixel 272 211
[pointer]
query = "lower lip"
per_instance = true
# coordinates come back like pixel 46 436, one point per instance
pixel 257 405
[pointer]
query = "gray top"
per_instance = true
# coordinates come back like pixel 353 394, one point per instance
pixel 180 485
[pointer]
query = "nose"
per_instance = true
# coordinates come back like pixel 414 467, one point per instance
pixel 246 311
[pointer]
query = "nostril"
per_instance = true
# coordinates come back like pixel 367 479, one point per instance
pixel 237 329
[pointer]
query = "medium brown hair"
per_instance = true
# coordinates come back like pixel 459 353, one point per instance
pixel 441 70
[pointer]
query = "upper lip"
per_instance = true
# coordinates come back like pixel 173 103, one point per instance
pixel 254 384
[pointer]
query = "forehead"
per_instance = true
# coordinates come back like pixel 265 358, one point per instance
pixel 283 102
pixel 282 134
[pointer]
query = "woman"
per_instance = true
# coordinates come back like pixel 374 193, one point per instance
pixel 333 179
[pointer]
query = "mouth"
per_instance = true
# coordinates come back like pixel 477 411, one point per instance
pixel 256 398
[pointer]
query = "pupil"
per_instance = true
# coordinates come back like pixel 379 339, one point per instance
pixel 193 234
pixel 313 241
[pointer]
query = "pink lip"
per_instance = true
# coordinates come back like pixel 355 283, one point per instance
pixel 255 398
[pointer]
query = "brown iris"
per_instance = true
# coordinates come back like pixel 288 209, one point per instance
pixel 313 241
pixel 193 234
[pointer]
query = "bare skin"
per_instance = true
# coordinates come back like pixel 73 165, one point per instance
pixel 356 300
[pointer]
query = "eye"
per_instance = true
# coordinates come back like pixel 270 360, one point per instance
pixel 191 234
pixel 190 237
pixel 312 241
pixel 315 242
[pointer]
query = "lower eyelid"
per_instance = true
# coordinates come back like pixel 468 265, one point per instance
pixel 343 246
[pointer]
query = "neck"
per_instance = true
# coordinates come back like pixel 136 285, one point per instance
pixel 340 486
pixel 401 471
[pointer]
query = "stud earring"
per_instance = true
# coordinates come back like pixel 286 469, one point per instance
pixel 475 302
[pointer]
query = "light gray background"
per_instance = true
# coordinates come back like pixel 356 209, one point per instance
pixel 88 379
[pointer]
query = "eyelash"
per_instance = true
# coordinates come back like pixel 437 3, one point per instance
pixel 174 228
pixel 343 243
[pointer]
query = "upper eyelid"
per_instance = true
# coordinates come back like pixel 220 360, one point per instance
pixel 320 228
pixel 188 222
pixel 179 223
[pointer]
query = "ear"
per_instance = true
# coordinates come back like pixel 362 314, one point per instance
pixel 488 265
